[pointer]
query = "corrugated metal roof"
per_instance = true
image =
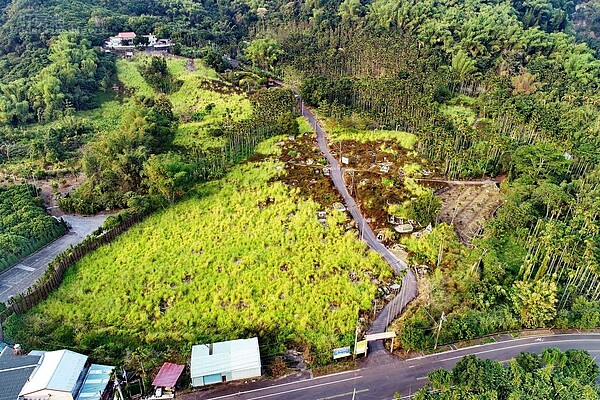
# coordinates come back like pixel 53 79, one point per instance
pixel 168 375
pixel 95 382
pixel 233 355
pixel 14 371
pixel 60 370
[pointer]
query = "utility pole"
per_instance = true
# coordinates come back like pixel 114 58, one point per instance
pixel 355 341
pixel 442 319
pixel 375 309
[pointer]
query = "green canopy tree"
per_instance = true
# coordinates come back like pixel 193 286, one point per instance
pixel 535 301
pixel 264 53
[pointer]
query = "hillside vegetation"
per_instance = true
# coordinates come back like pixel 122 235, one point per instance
pixel 239 257
pixel 488 89
pixel 553 375
pixel 24 225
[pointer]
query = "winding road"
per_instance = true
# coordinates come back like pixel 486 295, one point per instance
pixel 408 289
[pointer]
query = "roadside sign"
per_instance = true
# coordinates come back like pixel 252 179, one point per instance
pixel 361 347
pixel 341 352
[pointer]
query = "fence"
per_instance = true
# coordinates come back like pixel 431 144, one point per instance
pixel 57 267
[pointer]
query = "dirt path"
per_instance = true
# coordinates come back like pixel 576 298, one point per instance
pixel 466 183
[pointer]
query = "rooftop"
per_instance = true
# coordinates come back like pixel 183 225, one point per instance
pixel 14 372
pixel 95 382
pixel 168 375
pixel 60 370
pixel 126 35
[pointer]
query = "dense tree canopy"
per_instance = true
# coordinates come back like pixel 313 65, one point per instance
pixel 553 375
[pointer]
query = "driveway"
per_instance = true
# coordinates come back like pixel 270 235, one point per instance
pixel 21 276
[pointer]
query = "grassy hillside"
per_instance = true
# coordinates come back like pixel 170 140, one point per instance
pixel 243 256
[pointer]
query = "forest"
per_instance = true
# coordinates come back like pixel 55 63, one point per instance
pixel 490 89
pixel 484 88
pixel 24 224
pixel 552 375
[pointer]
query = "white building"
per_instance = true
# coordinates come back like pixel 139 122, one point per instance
pixel 225 361
pixel 127 41
pixel 58 377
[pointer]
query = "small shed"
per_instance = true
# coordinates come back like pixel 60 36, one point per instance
pixel 59 376
pixel 166 380
pixel 225 361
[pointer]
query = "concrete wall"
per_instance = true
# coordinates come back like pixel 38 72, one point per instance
pixel 53 394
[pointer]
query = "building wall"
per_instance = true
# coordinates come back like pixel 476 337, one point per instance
pixel 229 376
pixel 245 374
pixel 52 394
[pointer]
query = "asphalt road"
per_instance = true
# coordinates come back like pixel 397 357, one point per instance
pixel 21 276
pixel 381 380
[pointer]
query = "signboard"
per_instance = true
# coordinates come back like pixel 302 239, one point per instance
pixel 341 352
pixel 361 347
pixel 345 160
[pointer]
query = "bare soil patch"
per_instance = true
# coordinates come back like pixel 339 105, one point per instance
pixel 305 169
pixel 467 208
pixel 52 189
pixel 375 177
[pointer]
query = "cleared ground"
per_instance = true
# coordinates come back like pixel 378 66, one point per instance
pixel 467 207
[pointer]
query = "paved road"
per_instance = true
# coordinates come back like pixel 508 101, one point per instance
pixel 408 290
pixel 20 277
pixel 381 381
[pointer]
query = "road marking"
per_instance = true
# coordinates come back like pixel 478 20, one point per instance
pixel 288 391
pixel 500 348
pixel 421 378
pixel 25 268
pixel 343 394
pixel 519 345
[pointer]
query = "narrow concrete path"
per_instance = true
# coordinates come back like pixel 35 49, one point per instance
pixel 408 290
pixel 18 278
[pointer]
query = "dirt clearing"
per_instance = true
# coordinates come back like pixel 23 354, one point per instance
pixel 468 207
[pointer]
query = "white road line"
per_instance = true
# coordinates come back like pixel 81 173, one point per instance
pixel 496 344
pixel 288 391
pixel 422 378
pixel 520 345
pixel 25 268
pixel 343 394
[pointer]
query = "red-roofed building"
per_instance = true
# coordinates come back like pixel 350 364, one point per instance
pixel 166 381
pixel 127 35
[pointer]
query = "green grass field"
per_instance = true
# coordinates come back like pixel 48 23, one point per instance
pixel 199 88
pixel 338 133
pixel 242 256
